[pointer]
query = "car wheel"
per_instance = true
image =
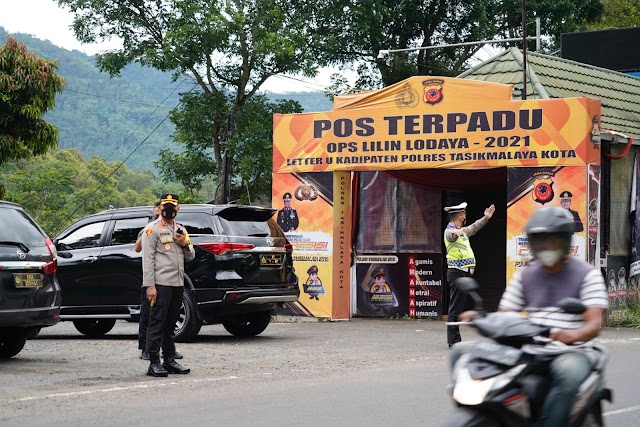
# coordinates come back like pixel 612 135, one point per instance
pixel 94 328
pixel 12 341
pixel 188 324
pixel 249 327
pixel 33 332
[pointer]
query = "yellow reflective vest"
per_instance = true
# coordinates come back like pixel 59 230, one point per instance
pixel 459 252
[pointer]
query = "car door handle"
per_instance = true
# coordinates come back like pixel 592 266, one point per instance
pixel 89 259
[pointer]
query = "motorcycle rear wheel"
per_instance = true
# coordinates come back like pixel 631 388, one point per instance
pixel 467 417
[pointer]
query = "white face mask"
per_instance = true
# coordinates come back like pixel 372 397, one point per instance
pixel 550 258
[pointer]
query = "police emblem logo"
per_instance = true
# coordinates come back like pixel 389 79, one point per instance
pixel 432 91
pixel 407 97
pixel 306 191
pixel 149 232
pixel 167 246
pixel 542 187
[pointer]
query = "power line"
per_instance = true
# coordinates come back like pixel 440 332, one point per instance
pixel 117 99
pixel 144 121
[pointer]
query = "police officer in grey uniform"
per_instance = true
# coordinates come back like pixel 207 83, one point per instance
pixel 143 324
pixel 165 248
pixel 287 216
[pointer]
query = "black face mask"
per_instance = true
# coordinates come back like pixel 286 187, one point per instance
pixel 169 212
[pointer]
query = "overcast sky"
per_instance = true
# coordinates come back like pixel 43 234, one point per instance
pixel 45 20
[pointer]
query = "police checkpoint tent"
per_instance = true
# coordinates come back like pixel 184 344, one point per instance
pixel 370 178
pixel 551 77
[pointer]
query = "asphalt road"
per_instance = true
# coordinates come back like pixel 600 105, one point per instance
pixel 363 372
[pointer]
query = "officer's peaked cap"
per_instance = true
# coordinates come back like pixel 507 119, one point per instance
pixel 566 195
pixel 286 196
pixel 457 208
pixel 312 269
pixel 378 272
pixel 173 199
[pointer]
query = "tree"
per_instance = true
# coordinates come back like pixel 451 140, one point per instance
pixel 369 26
pixel 28 88
pixel 60 187
pixel 620 14
pixel 251 146
pixel 225 45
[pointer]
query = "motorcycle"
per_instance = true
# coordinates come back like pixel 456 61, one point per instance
pixel 501 382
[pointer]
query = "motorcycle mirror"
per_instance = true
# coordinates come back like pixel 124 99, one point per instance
pixel 466 284
pixel 572 306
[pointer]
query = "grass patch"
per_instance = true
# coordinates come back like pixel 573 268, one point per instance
pixel 628 317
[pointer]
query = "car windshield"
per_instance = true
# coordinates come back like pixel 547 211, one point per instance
pixel 16 226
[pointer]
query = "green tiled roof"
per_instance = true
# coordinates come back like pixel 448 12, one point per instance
pixel 552 77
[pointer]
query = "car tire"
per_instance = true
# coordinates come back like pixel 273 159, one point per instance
pixel 33 332
pixel 12 341
pixel 254 325
pixel 188 324
pixel 94 328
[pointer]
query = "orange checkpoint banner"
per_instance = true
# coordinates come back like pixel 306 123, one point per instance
pixel 431 128
pixel 341 246
pixel 308 223
pixel 532 188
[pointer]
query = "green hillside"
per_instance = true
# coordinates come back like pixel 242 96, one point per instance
pixel 111 117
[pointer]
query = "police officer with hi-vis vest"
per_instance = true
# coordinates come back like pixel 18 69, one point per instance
pixel 461 261
pixel 165 248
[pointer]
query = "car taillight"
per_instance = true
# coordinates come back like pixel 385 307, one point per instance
pixel 222 247
pixel 288 246
pixel 52 266
pixel 232 295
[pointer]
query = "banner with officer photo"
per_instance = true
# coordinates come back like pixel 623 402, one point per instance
pixel 391 285
pixel 438 122
pixel 314 224
pixel 532 188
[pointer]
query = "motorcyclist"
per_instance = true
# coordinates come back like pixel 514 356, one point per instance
pixel 537 288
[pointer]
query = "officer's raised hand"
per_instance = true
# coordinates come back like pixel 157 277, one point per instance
pixel 488 213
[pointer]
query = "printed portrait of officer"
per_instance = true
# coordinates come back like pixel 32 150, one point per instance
pixel 287 216
pixel 381 293
pixel 380 285
pixel 565 201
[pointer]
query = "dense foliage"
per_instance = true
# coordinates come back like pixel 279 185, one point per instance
pixel 28 89
pixel 363 28
pixel 620 14
pixel 60 187
pixel 198 117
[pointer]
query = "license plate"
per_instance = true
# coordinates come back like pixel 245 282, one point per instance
pixel 27 280
pixel 271 259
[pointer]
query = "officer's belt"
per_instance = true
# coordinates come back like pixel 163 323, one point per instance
pixel 469 270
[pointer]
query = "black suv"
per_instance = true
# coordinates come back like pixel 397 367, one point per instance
pixel 29 292
pixel 242 269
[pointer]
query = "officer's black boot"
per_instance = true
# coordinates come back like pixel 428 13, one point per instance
pixel 155 368
pixel 174 367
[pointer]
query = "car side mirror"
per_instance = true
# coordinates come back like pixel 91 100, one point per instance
pixel 63 254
